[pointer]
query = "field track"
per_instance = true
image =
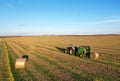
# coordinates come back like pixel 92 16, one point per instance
pixel 48 62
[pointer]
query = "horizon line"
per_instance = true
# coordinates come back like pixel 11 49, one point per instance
pixel 59 35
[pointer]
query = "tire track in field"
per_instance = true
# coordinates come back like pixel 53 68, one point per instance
pixel 62 76
pixel 112 73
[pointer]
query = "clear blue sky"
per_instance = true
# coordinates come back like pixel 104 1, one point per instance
pixel 44 17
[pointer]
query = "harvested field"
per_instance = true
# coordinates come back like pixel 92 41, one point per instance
pixel 48 62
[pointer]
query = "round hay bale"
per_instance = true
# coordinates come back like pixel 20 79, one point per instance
pixel 94 55
pixel 20 63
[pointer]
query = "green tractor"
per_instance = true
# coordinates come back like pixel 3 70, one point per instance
pixel 81 51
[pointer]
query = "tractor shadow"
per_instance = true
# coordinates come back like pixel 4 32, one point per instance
pixel 60 49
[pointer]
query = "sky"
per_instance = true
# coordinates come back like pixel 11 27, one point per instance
pixel 59 17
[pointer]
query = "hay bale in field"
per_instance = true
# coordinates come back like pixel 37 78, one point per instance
pixel 94 55
pixel 20 63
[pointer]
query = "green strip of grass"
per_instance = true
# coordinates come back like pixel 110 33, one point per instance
pixel 7 73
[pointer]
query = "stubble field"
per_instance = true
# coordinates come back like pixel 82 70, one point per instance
pixel 48 62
